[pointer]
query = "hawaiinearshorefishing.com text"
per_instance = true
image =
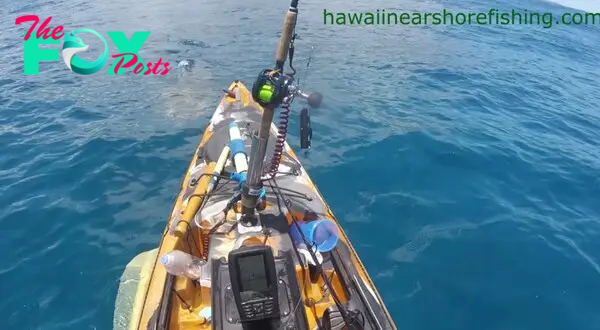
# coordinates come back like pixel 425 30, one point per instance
pixel 446 17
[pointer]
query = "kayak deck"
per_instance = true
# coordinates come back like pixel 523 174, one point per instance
pixel 165 301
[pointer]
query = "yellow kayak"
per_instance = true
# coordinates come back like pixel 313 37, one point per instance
pixel 185 301
pixel 250 243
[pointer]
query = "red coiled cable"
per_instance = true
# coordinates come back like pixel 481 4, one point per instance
pixel 280 141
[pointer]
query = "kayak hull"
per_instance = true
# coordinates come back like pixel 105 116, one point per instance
pixel 154 304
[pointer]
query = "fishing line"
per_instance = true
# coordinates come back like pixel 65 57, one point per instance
pixel 292 193
pixel 312 49
pixel 303 271
pixel 185 304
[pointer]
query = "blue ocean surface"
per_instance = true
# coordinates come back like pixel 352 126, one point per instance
pixel 462 161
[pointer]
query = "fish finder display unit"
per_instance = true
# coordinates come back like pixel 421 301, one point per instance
pixel 254 283
pixel 256 289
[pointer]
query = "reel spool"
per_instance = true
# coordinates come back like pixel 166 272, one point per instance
pixel 270 88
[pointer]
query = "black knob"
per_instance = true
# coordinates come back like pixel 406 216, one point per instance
pixel 314 100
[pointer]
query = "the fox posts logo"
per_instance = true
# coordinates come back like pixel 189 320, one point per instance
pixel 73 44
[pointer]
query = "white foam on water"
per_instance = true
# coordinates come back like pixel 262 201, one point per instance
pixel 585 5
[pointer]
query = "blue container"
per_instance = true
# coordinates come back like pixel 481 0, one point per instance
pixel 320 233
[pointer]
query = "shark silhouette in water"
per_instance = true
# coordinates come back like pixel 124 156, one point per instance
pixel 71 46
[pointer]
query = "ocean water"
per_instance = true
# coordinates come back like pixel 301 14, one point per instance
pixel 473 154
pixel 582 5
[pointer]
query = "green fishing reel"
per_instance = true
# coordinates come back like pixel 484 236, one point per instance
pixel 270 88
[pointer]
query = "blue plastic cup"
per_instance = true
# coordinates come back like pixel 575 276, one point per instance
pixel 320 233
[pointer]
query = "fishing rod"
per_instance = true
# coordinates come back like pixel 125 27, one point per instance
pixel 289 28
pixel 272 89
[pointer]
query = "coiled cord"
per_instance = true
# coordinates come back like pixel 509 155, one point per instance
pixel 284 118
pixel 205 245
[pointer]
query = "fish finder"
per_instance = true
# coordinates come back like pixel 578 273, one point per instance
pixel 254 283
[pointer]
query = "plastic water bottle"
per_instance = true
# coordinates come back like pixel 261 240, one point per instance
pixel 179 263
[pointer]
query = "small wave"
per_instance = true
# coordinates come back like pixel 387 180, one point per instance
pixel 585 5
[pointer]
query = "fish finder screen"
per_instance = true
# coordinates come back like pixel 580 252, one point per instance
pixel 252 272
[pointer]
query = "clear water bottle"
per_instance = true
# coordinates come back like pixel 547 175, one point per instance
pixel 179 263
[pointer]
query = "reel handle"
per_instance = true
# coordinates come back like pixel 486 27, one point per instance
pixel 314 99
